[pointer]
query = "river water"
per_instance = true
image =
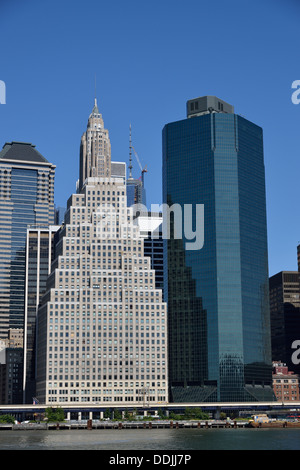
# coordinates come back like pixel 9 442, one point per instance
pixel 152 439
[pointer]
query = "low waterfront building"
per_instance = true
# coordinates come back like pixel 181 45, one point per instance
pixel 285 383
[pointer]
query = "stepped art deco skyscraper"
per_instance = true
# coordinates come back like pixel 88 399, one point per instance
pixel 218 307
pixel 102 324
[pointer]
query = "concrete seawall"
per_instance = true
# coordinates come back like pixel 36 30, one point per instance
pixel 119 425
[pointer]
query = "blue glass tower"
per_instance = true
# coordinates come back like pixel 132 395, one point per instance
pixel 218 308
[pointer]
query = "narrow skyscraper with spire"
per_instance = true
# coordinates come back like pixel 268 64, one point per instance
pixel 95 148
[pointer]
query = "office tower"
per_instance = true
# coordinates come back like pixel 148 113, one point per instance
pixel 102 325
pixel 11 369
pixel 118 170
pixel 217 291
pixel 2 371
pixel 136 193
pixel 285 316
pixel 150 224
pixel 26 197
pixel 39 256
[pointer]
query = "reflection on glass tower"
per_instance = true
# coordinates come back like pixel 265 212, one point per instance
pixel 187 328
pixel 215 158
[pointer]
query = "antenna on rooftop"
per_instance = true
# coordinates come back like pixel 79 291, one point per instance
pixel 143 170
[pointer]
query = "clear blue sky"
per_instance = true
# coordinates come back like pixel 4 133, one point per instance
pixel 149 59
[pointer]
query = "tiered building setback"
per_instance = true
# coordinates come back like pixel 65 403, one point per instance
pixel 102 325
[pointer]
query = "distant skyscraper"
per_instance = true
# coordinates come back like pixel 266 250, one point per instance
pixel 59 215
pixel 26 197
pixel 218 308
pixel 285 316
pixel 136 193
pixel 102 323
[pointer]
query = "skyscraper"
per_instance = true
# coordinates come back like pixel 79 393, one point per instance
pixel 285 316
pixel 102 324
pixel 136 193
pixel 150 224
pixel 218 310
pixel 26 197
pixel 39 256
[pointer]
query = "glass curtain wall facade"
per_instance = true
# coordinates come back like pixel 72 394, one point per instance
pixel 39 256
pixel 216 159
pixel 26 197
pixel 136 193
pixel 23 196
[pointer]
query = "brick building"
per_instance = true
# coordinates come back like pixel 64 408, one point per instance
pixel 285 383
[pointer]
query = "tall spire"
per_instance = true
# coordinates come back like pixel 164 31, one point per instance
pixel 95 108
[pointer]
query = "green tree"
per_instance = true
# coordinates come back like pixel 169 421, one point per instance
pixel 54 414
pixel 195 413
pixel 7 419
pixel 174 416
pixel 127 415
pixel 161 413
pixel 117 414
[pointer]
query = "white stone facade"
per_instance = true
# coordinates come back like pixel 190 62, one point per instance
pixel 95 149
pixel 102 326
